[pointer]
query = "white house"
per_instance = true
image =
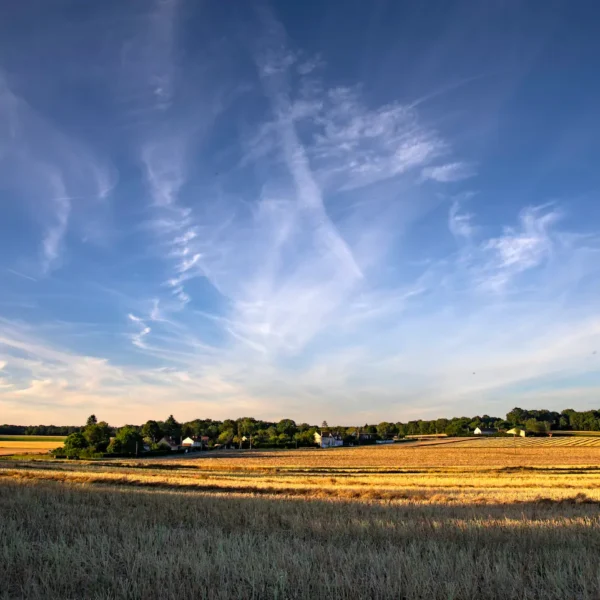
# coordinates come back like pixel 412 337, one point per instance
pixel 479 431
pixel 192 442
pixel 196 442
pixel 326 439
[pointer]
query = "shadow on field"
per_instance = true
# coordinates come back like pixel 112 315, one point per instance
pixel 434 498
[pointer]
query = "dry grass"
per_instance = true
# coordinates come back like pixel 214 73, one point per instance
pixel 448 521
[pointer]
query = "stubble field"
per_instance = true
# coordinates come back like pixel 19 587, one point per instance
pixel 471 519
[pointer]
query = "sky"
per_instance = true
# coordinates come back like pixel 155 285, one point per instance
pixel 347 211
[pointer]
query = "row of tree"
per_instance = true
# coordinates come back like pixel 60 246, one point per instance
pixel 38 429
pixel 99 437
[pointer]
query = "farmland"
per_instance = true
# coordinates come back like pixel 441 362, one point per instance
pixel 454 520
pixel 563 441
pixel 28 444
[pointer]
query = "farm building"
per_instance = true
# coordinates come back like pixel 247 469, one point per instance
pixel 516 431
pixel 168 442
pixel 326 439
pixel 484 431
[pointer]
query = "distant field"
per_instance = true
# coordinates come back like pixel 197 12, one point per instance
pixel 23 444
pixel 32 438
pixel 459 520
pixel 567 441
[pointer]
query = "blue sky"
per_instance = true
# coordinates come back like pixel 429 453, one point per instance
pixel 357 212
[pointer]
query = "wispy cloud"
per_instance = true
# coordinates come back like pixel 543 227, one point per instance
pixel 22 275
pixel 520 249
pixel 459 223
pixel 137 339
pixel 165 169
pixel 450 172
pixel 353 145
pixel 48 169
pixel 284 250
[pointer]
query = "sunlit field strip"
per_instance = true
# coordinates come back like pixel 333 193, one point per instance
pixel 556 442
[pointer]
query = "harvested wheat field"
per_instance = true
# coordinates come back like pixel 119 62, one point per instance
pixel 445 521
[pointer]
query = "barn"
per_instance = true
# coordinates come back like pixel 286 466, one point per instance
pixel 484 431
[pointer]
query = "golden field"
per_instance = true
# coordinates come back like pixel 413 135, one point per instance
pixel 21 445
pixel 470 519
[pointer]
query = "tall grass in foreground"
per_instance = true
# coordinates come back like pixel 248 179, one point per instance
pixel 60 540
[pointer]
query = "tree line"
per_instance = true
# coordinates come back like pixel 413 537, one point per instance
pixel 98 437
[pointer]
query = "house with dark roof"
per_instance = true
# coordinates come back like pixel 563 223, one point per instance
pixel 168 442
pixel 328 439
pixel 484 431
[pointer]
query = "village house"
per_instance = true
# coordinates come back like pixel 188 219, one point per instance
pixel 484 431
pixel 327 439
pixel 196 442
pixel 168 442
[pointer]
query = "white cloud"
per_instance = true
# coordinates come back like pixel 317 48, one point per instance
pixel 165 169
pixel 456 171
pixel 460 224
pixel 309 65
pixel 187 264
pixel 355 146
pixel 520 249
pixel 137 339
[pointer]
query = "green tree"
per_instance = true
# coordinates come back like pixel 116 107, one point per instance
pixel 75 441
pixel 424 427
pixel 536 426
pixel 245 429
pixel 127 441
pixel 516 416
pixel 98 435
pixel 151 430
pixel 91 420
pixel 287 426
pixel 401 427
pixel 172 428
pixel 385 429
pixel 225 437
pixel 440 425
